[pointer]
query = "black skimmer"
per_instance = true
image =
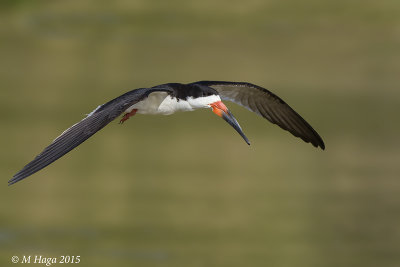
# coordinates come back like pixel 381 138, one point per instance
pixel 171 97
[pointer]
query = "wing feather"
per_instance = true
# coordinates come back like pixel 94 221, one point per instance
pixel 268 105
pixel 81 131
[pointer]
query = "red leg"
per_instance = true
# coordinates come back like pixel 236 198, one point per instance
pixel 127 116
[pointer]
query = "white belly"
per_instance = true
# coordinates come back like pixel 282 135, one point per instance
pixel 162 103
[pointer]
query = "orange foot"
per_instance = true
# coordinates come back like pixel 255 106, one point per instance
pixel 127 116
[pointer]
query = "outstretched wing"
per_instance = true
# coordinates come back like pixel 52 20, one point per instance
pixel 267 105
pixel 81 131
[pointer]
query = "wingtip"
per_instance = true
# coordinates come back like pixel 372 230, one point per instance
pixel 321 145
pixel 16 178
pixel 13 180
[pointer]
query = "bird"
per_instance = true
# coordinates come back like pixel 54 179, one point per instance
pixel 168 98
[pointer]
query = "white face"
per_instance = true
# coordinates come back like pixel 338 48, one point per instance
pixel 203 102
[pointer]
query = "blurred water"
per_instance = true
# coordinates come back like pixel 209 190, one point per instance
pixel 185 190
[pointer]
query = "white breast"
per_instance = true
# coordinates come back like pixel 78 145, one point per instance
pixel 162 103
pixel 171 105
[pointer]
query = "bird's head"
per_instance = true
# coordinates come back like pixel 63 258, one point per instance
pixel 207 97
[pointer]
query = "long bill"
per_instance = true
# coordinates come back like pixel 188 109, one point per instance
pixel 222 111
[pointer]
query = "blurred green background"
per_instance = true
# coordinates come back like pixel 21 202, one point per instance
pixel 185 190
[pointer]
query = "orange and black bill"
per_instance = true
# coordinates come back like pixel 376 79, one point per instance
pixel 222 111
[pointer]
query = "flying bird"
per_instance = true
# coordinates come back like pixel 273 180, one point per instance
pixel 168 98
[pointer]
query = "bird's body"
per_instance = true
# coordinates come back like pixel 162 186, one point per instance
pixel 164 104
pixel 169 98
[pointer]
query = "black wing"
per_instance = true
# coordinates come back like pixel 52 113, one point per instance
pixel 267 105
pixel 81 131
